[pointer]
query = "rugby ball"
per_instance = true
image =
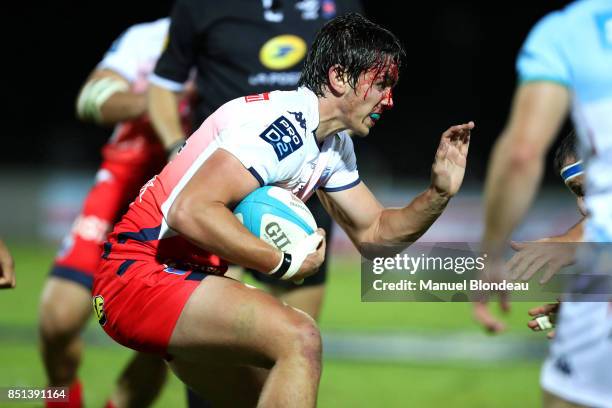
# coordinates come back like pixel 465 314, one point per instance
pixel 276 216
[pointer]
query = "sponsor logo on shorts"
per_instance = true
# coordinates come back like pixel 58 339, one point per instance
pixel 98 306
pixel 283 137
pixel 282 52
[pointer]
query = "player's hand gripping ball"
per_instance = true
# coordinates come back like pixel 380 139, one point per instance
pixel 276 216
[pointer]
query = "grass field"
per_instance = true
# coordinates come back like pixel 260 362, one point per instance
pixel 344 383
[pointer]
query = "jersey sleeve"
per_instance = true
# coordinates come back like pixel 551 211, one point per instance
pixel 121 56
pixel 344 174
pixel 173 67
pixel 541 58
pixel 255 154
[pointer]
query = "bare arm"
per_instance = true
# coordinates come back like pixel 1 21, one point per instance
pixel 366 221
pixel 517 161
pixel 201 214
pixel 515 170
pixel 164 113
pixel 121 105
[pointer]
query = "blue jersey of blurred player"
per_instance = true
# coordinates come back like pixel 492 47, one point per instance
pixel 571 373
pixel 565 63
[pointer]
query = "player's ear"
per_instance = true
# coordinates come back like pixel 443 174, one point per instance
pixel 338 81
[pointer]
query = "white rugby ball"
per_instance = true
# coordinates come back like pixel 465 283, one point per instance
pixel 276 216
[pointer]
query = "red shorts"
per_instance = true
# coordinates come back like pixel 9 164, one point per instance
pixel 138 303
pixel 118 181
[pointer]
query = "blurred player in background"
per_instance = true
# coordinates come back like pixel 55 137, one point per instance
pixel 241 48
pixel 574 373
pixel 114 94
pixel 7 268
pixel 234 344
pixel 564 62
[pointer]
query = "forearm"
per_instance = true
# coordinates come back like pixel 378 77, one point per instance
pixel 214 228
pixel 164 114
pixel 408 224
pixel 122 106
pixel 513 177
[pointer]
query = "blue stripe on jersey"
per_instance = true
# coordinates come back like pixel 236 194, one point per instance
pixel 257 176
pixel 73 275
pixel 196 276
pixel 107 250
pixel 145 234
pixel 124 266
pixel 345 187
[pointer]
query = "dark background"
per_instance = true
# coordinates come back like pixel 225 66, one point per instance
pixel 460 67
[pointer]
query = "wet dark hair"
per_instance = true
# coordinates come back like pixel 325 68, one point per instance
pixel 567 149
pixel 355 45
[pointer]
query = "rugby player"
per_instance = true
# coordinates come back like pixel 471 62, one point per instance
pixel 239 49
pixel 573 375
pixel 113 94
pixel 160 287
pixel 564 62
pixel 7 267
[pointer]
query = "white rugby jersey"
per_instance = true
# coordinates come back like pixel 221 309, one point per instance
pixel 273 136
pixel 134 53
pixel 573 47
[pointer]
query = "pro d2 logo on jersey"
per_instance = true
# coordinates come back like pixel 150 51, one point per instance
pixel 98 306
pixel 283 137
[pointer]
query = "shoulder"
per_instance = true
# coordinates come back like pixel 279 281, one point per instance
pixel 343 144
pixel 267 108
pixel 141 35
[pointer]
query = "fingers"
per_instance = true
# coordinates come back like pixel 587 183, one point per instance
pixel 7 268
pixel 311 242
pixel 504 301
pixel 553 268
pixel 459 132
pixel 535 266
pixel 517 246
pixel 544 309
pixel 7 276
pixel 483 316
pixel 442 150
pixel 321 232
pixel 533 325
pixel 321 248
pixel 314 245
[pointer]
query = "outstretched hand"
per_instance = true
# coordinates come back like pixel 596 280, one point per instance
pixel 7 268
pixel 550 311
pixel 449 164
pixel 493 272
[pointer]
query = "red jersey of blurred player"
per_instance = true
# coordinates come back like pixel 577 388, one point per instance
pixel 113 94
pixel 131 156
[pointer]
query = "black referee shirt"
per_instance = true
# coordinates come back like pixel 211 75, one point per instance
pixel 241 47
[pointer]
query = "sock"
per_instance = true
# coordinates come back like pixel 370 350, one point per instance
pixel 75 394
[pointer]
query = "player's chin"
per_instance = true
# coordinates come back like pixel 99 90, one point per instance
pixel 362 131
